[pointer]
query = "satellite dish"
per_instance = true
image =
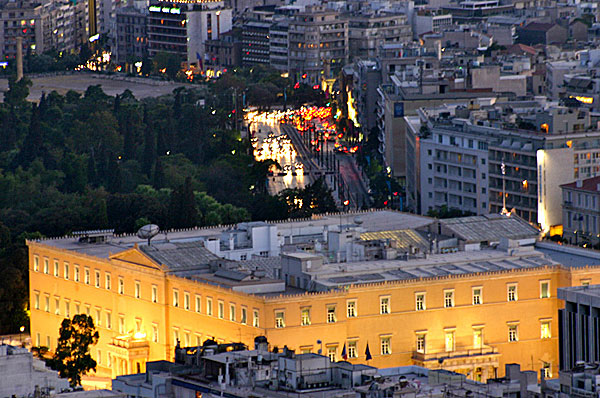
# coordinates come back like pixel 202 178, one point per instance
pixel 148 231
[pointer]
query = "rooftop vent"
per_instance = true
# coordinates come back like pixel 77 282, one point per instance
pixel 94 236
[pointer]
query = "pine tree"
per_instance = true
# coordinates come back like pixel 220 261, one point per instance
pixel 159 175
pixel 91 170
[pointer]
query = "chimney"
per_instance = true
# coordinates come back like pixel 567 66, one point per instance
pixel 579 184
pixel 19 58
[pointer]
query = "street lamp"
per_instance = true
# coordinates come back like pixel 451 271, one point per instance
pixel 21 330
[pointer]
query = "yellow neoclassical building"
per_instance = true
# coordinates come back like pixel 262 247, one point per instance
pixel 470 311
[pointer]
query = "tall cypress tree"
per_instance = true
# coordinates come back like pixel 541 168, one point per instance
pixel 114 175
pixel 159 175
pixel 32 145
pixel 149 155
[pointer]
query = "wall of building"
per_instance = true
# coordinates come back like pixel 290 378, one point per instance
pixel 550 177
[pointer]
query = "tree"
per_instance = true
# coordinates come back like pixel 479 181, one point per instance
pixel 72 357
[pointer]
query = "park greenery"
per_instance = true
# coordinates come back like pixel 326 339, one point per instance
pixel 93 161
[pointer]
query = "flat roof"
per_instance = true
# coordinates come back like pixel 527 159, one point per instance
pixel 490 228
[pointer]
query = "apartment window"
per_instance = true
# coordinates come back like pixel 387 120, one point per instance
pixel 279 319
pixel 384 305
pixel 255 321
pixel 56 306
pixel 198 303
pixel 448 298
pixel 186 301
pixel 67 309
pixel 137 289
pixel 331 317
pixel 513 333
pixel 86 274
pixel 98 317
pixel 244 317
pixel 107 285
pixel 232 312
pixel 209 307
pixel 449 340
pixel 154 294
pixel 547 370
pixel 420 301
pixel 121 324
pixel 121 286
pixel 477 299
pixel 76 277
pixel 421 343
pixel 545 332
pixel 47 304
pixel 221 309
pixel 66 271
pixel 155 333
pixel 56 268
pixel 512 294
pixel 332 353
pixel 305 317
pixel 97 278
pixel 477 337
pixel 36 264
pixel 352 351
pixel 175 298
pixel 46 266
pixel 544 289
pixel 386 346
pixel 108 320
pixel 36 302
pixel 351 308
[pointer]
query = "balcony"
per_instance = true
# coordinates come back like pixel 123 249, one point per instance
pixel 466 361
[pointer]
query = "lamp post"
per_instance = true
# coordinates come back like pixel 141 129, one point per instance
pixel 21 330
pixel 503 168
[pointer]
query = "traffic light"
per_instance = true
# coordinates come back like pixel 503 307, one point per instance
pixel 304 76
pixel 297 85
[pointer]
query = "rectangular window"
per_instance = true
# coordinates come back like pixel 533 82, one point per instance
pixel 547 370
pixel 56 268
pixel 198 303
pixel 244 318
pixel 67 271
pixel 67 309
pixel 99 356
pixel 232 312
pixel 513 333
pixel 420 302
pixel 351 308
pixel 448 298
pixel 76 277
pixel 86 274
pixel 77 308
pixel 176 335
pixel 47 304
pixel 384 305
pixel 305 317
pixel 48 343
pixel 478 338
pixel 332 353
pixel 36 264
pixel 154 294
pixel 331 317
pixel 386 346
pixel 545 330
pixel 544 289
pixel 121 324
pixel 46 266
pixel 255 319
pixel 36 302
pixel 121 285
pixel 512 293
pixel 421 343
pixel 209 307
pixel 175 298
pixel 138 289
pixel 477 299
pixel 97 278
pixel 186 301
pixel 155 333
pixel 449 340
pixel 352 350
pixel 221 309
pixel 279 319
pixel 98 317
pixel 56 306
pixel 107 285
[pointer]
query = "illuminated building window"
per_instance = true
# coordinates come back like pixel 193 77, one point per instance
pixel 279 319
pixel 420 303
pixel 305 317
pixel 46 266
pixel 47 304
pixel 232 312
pixel 36 264
pixel 477 337
pixel 48 343
pixel 121 285
pixel 155 333
pixel 56 268
pixel 448 298
pixel 477 296
pixel 87 310
pixel 585 282
pixel 187 340
pixel 352 350
pixel 108 320
pixel 76 276
pixel 449 340
pixel 67 309
pixel 513 333
pixel 121 324
pixel 332 353
pixel 255 319
pixel 176 335
pixel 109 359
pixel 99 356
pixel 512 293
pixel 421 342
pixel 351 308
pixel 154 294
pixel 97 278
pixel 175 298
pixel 186 301
pixel 221 309
pixel 77 308
pixel 87 276
pixel 209 306
pixel 384 305
pixel 38 339
pixel 98 317
pixel 198 303
pixel 544 289
pixel 107 281
pixel 547 370
pixel 545 332
pixel 67 271
pixel 331 317
pixel 56 306
pixel 198 339
pixel 137 289
pixel 36 301
pixel 386 346
pixel 244 317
